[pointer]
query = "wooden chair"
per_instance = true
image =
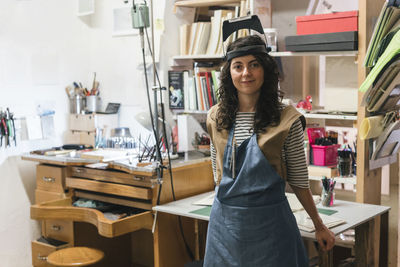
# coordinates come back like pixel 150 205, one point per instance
pixel 75 256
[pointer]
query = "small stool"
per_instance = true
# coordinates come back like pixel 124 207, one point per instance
pixel 75 256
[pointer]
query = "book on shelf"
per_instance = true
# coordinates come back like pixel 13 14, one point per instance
pixel 192 41
pixel 205 37
pixel 176 89
pixel 184 32
pixel 202 40
pixel 228 15
pixel 194 89
pixel 215 81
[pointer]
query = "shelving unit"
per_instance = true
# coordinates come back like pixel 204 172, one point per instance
pixel 341 180
pixel 330 116
pixel 277 54
pixel 368 182
pixel 317 53
pixel 205 3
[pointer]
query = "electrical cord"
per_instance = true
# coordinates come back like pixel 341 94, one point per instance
pixel 190 253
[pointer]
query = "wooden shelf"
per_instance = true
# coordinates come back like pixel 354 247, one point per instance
pixel 314 53
pixel 277 54
pixel 330 116
pixel 203 3
pixel 187 57
pixel 342 180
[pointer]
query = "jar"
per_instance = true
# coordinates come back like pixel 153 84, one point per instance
pixel 271 35
pixel 344 166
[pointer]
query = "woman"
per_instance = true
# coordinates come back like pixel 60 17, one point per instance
pixel 257 145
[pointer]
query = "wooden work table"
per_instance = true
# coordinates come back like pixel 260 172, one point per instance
pixel 128 241
pixel 369 222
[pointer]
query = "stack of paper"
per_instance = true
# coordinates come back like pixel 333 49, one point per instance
pixel 392 50
pixel 206 201
pixel 295 204
pixel 107 155
pixel 384 95
pixel 386 23
pixel 305 223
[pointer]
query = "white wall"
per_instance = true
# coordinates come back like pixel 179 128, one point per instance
pixel 44 47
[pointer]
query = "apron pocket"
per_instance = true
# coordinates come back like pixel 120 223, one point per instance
pixel 252 224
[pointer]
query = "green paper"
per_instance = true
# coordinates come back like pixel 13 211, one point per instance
pixel 203 211
pixel 392 49
pixel 326 211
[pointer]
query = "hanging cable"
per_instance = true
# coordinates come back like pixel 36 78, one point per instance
pixel 190 253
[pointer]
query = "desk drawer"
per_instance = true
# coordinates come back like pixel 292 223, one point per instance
pixel 143 193
pixel 113 176
pixel 50 178
pixel 44 196
pixel 59 230
pixel 41 250
pixel 63 210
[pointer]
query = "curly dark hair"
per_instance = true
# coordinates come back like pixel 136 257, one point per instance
pixel 269 106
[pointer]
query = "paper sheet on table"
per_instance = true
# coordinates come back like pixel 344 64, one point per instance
pixel 305 223
pixel 295 204
pixel 206 201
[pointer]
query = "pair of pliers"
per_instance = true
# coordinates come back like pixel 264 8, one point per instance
pixel 4 130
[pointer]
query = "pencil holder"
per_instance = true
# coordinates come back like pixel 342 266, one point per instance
pixel 327 197
pixel 93 103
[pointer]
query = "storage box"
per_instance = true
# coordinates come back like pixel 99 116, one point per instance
pixel 89 122
pixel 326 23
pixel 80 137
pixel 328 172
pixel 325 155
pixel 337 41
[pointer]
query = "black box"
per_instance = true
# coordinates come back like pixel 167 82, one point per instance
pixel 335 41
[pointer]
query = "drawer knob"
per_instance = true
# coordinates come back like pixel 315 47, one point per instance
pixel 42 258
pixel 79 170
pixel 56 227
pixel 49 179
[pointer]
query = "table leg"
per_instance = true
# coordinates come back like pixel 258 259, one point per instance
pixel 325 258
pixel 364 244
pixel 196 240
pixel 384 240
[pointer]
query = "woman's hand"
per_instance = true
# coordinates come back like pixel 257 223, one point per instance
pixel 325 237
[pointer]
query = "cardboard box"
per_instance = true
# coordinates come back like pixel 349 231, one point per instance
pixel 80 137
pixel 337 41
pixel 326 23
pixel 89 122
pixel 328 172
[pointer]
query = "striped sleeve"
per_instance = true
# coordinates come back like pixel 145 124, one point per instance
pixel 295 158
pixel 213 161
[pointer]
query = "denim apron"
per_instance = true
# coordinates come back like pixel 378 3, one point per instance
pixel 251 223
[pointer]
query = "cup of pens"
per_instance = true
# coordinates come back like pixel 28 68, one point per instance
pixel 328 194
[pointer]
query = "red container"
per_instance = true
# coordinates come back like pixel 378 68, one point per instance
pixel 326 23
pixel 325 155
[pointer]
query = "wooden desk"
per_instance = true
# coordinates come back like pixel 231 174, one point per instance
pixel 369 221
pixel 128 241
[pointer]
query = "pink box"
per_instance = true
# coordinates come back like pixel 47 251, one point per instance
pixel 325 155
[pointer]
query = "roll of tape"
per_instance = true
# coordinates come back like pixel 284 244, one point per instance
pixel 371 127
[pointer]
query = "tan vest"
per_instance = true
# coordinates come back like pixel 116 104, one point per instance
pixel 270 142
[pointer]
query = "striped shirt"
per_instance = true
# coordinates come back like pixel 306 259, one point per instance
pixel 292 151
